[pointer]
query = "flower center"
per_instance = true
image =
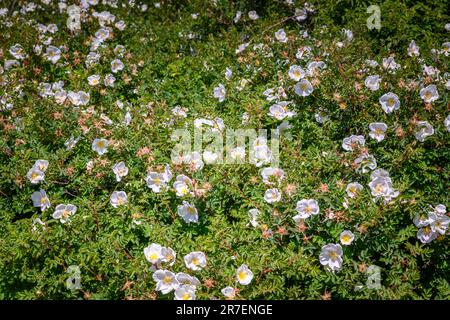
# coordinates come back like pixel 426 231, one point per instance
pixel 186 296
pixel 167 280
pixel 333 255
pixel 378 188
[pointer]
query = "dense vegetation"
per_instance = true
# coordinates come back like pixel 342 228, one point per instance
pixel 363 178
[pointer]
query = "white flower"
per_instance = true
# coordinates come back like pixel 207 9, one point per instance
pixel 153 253
pixel 63 212
pixel 301 14
pixel 280 111
pixel 120 25
pixel 195 161
pixel 348 34
pixel 185 292
pixel 242 47
pixel 269 172
pixel 165 281
pixel 421 221
pixel 35 175
pixel 303 52
pixel 220 92
pixel 127 118
pixel 185 279
pixel 331 256
pixel 229 292
pixel 353 189
pixel 430 71
pixel 182 185
pixel 53 54
pixel 100 146
pixel 253 215
pixel 438 223
pixel 200 121
pixel 425 130
pixel 365 163
pixel 306 208
pixel 179 111
pixel 10 64
pixel 321 116
pixel 413 49
pixel 382 187
pixel 17 52
pixel 60 96
pixel 352 142
pixel 120 170
pixel 390 64
pixel 447 123
pixel 210 157
pixel 244 275
pixel 109 80
pixel 74 98
pixel 228 73
pixel 377 130
pixel 440 209
pixel 237 17
pixel 281 35
pixel 253 15
pixel 93 80
pixel 429 94
pixel 116 65
pixel 389 102
pixel 373 82
pixel 195 260
pixel 296 72
pixel 261 153
pixel 40 200
pixel 446 48
pixel 83 98
pixel 168 255
pixel 188 212
pixel 167 174
pixel 303 88
pixel 379 173
pixel 314 67
pixel 272 195
pixel 346 237
pixel 426 235
pixel 155 181
pixel 118 198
